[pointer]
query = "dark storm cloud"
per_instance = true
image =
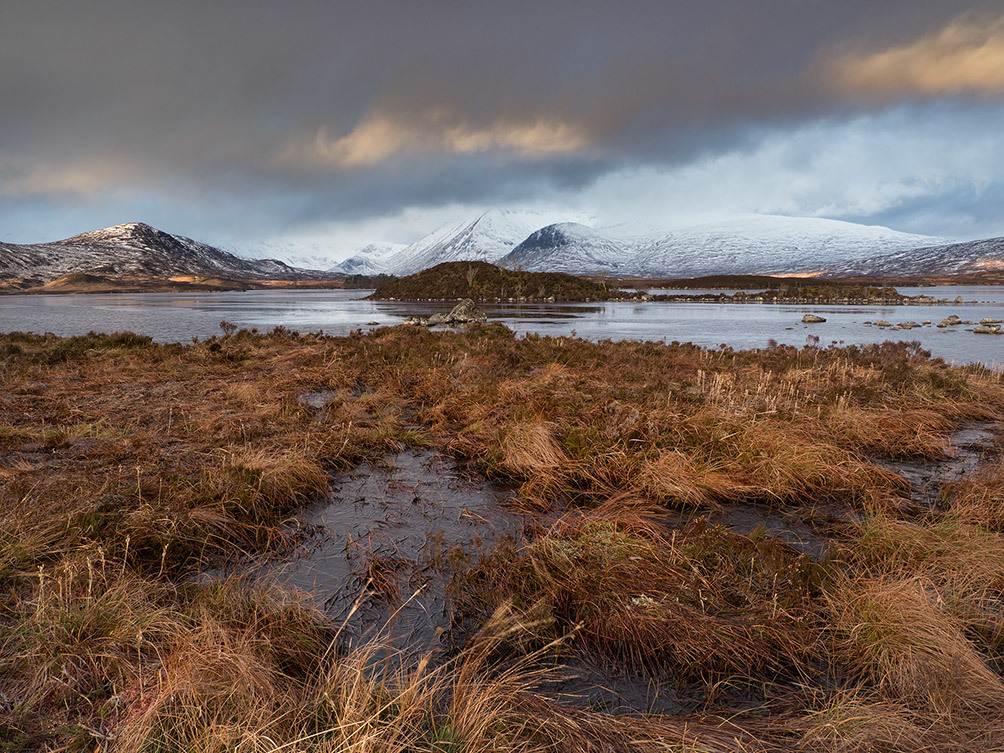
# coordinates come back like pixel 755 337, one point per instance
pixel 348 110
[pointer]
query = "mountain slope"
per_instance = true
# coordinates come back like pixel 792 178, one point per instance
pixel 766 244
pixel 760 244
pixel 133 249
pixel 369 260
pixel 487 238
pixel 953 258
pixel 567 247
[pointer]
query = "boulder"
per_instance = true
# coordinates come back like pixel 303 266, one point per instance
pixel 812 319
pixel 987 329
pixel 883 323
pixel 466 312
pixel 907 325
pixel 950 321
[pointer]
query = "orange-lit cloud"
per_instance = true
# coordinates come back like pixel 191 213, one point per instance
pixel 85 177
pixel 965 56
pixel 379 138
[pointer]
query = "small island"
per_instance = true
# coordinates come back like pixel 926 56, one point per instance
pixel 487 283
pixel 483 282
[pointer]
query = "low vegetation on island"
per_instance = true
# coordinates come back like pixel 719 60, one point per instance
pixel 483 282
pixel 488 283
pixel 128 467
pixel 784 290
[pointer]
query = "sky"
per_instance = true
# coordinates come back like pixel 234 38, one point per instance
pixel 330 125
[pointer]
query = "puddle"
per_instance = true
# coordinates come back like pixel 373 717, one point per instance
pixel 386 540
pixel 783 525
pixel 971 445
pixel 583 683
pixel 316 400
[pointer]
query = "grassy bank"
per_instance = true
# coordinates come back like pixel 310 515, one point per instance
pixel 126 466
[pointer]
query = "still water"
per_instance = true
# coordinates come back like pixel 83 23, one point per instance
pixel 179 317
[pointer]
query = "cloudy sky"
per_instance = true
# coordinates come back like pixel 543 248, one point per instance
pixel 341 123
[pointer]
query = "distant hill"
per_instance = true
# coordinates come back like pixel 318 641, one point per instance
pixel 134 251
pixel 486 282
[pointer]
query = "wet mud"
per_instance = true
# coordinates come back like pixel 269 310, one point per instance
pixel 970 446
pixel 380 549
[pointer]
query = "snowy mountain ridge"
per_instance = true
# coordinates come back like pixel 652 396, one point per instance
pixel 489 237
pixel 754 244
pixel 759 244
pixel 133 249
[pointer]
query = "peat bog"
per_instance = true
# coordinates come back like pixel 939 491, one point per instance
pixel 624 546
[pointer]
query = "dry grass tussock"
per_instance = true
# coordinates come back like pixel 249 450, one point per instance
pixel 980 499
pixel 125 466
pixel 699 605
pixel 903 643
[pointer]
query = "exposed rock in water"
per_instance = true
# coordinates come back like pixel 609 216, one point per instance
pixel 465 312
pixel 907 325
pixel 987 329
pixel 950 321
pixel 812 319
pixel 883 323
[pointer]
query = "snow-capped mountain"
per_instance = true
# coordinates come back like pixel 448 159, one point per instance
pixel 369 260
pixel 765 244
pixel 761 244
pixel 133 250
pixel 954 258
pixel 295 252
pixel 568 247
pixel 487 238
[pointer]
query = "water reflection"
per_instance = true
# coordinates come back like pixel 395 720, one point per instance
pixel 178 317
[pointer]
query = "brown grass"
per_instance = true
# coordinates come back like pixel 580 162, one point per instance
pixel 696 605
pixel 126 466
pixel 903 643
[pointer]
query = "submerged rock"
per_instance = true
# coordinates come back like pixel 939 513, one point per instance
pixel 812 319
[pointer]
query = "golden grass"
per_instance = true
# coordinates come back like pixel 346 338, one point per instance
pixel 125 466
pixel 698 605
pixel 907 646
pixel 980 499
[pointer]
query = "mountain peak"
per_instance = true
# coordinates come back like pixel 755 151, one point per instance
pixel 118 234
pixel 136 250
